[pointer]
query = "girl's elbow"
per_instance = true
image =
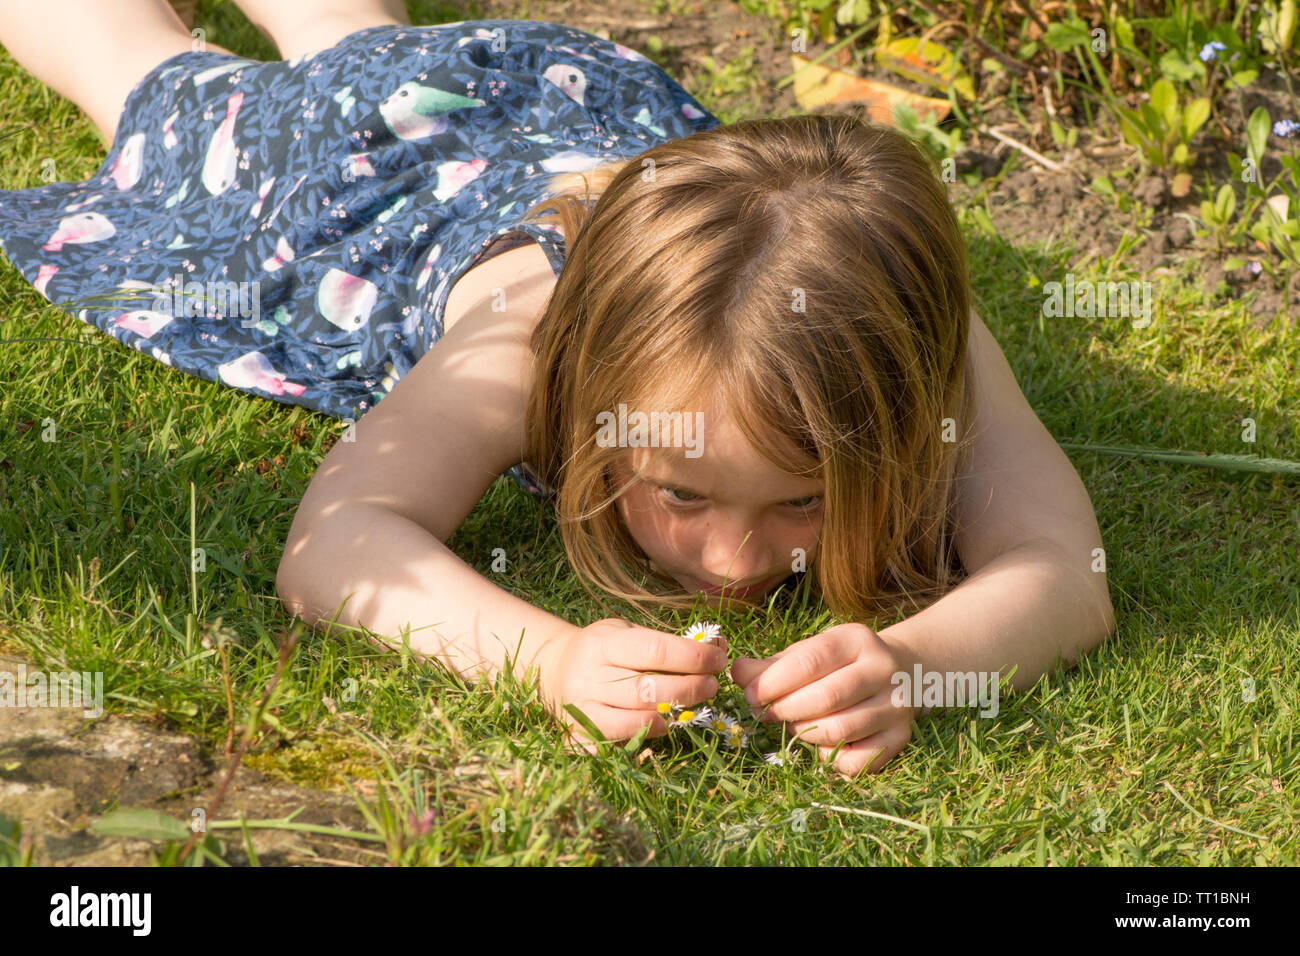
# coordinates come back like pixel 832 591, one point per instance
pixel 288 591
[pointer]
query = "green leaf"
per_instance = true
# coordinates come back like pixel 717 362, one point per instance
pixel 853 12
pixel 1234 262
pixel 633 745
pixel 1286 23
pixel 984 221
pixel 1064 36
pixel 1164 100
pixel 905 118
pixel 1198 111
pixel 1225 202
pixel 586 723
pixel 142 825
pixel 1180 154
pixel 1103 185
pixel 1257 128
pixel 1152 121
pixel 1124 34
pixel 1130 127
pixel 732 789
pixel 1253 463
pixel 1175 67
pixel 1243 78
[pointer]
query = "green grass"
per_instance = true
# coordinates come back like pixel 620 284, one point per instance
pixel 1145 754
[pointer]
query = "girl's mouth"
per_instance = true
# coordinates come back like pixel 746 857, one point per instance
pixel 699 585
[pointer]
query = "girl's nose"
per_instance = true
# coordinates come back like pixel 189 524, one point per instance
pixel 737 556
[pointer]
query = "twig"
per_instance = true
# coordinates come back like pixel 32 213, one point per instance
pixel 230 700
pixel 1028 10
pixel 286 647
pixel 1031 153
pixel 872 813
pixel 1024 69
pixel 625 23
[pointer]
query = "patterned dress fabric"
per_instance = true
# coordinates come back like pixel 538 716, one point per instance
pixel 292 228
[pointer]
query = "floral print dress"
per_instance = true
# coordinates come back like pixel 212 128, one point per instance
pixel 292 228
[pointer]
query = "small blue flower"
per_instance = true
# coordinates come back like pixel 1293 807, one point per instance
pixel 1210 50
pixel 1286 128
pixel 1255 268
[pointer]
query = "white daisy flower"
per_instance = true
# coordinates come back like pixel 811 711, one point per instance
pixel 703 633
pixel 686 716
pixel 720 723
pixel 774 759
pixel 736 737
pixel 704 717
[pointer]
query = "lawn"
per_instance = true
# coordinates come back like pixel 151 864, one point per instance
pixel 1172 744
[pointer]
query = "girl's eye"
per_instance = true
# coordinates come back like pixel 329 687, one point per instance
pixel 805 503
pixel 672 494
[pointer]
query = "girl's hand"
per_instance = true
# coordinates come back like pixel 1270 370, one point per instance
pixel 832 687
pixel 617 673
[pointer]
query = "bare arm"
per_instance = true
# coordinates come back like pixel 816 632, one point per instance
pixel 370 531
pixel 1027 533
pixel 393 574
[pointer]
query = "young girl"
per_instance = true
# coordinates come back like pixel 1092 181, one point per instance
pixel 794 291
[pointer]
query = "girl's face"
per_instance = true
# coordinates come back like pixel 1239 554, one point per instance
pixel 728 516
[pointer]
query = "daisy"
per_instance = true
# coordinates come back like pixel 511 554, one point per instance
pixel 703 633
pixel 703 717
pixel 736 736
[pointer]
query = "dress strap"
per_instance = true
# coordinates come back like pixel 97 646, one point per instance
pixel 551 240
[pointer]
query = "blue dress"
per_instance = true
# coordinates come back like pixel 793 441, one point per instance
pixel 292 228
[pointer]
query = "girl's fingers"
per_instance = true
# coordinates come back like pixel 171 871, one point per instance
pixel 634 691
pixel 799 665
pixel 617 724
pixel 643 649
pixel 871 753
pixel 831 694
pixel 855 722
pixel 745 669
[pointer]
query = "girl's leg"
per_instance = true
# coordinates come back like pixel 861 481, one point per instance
pixel 305 26
pixel 91 51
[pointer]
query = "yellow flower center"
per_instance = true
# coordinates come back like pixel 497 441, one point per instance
pixel 687 715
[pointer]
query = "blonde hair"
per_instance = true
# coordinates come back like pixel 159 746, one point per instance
pixel 682 266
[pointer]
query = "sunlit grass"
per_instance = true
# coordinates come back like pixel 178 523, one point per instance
pixel 1148 752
